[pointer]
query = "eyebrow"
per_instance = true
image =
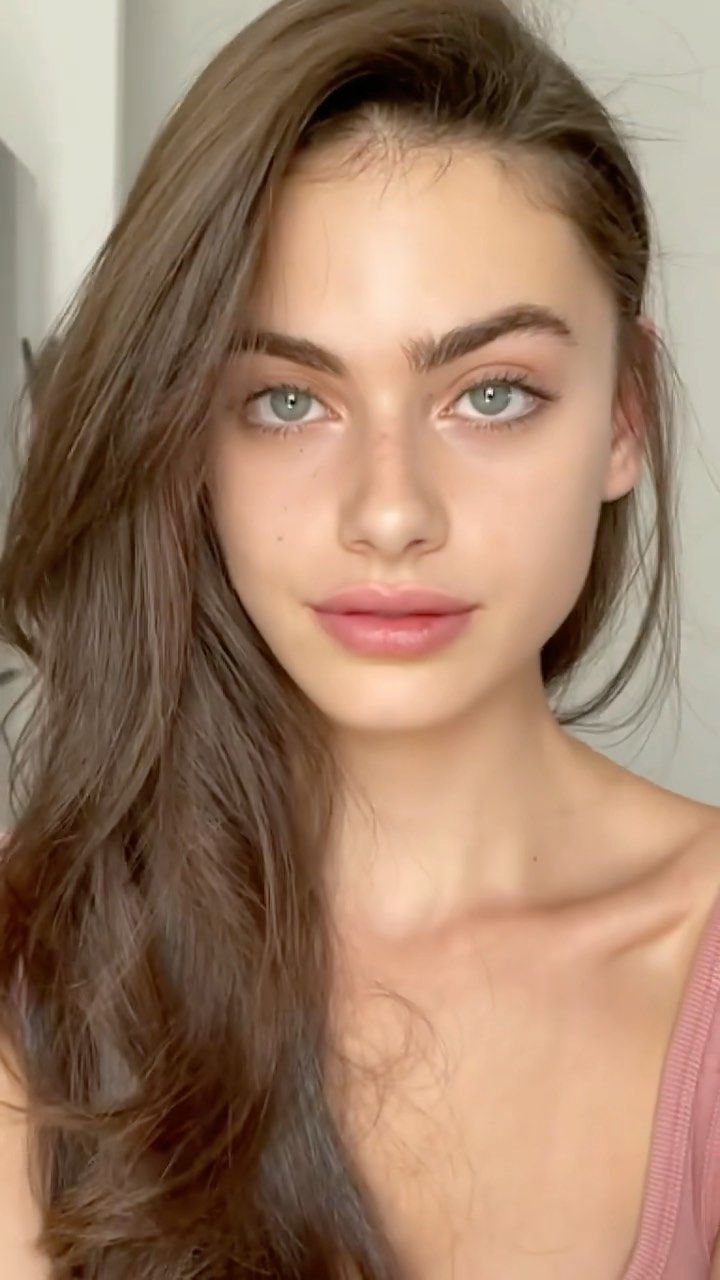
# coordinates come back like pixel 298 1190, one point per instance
pixel 426 353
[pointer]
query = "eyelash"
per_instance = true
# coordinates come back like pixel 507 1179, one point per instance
pixel 507 379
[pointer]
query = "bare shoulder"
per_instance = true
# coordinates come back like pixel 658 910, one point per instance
pixel 660 825
pixel 691 843
pixel 663 853
pixel 698 834
pixel 696 822
pixel 19 1213
pixel 687 833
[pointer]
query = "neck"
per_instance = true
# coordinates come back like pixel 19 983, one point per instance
pixel 482 814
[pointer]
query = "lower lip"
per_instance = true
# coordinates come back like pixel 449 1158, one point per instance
pixel 406 636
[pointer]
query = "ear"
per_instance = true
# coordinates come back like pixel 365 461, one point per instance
pixel 627 452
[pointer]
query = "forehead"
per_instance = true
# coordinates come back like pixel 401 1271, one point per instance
pixel 434 240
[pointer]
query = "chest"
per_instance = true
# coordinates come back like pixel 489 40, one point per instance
pixel 502 1125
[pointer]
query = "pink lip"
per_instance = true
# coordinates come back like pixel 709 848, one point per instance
pixel 393 621
pixel 377 599
pixel 401 636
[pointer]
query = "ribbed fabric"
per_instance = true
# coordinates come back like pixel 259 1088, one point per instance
pixel 680 1218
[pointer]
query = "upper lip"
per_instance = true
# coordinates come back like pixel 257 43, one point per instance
pixel 377 598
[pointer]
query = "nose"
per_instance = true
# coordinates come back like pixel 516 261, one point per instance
pixel 392 498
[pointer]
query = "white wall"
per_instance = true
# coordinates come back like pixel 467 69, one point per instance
pixel 60 107
pixel 84 134
pixel 61 102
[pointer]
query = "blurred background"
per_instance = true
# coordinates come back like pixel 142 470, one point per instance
pixel 85 86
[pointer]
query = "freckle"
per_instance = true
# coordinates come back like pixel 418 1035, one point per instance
pixel 281 537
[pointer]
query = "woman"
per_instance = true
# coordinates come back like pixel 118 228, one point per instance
pixel 327 949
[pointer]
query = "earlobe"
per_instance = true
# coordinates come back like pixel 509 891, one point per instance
pixel 628 428
pixel 625 463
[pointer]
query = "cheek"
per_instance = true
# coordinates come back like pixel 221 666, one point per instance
pixel 560 544
pixel 541 527
pixel 257 523
pixel 251 534
pixel 260 495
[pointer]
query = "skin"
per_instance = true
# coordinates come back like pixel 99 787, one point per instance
pixel 482 802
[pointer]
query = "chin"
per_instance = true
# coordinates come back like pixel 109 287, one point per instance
pixel 396 699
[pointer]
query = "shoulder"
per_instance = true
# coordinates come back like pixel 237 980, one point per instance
pixel 694 862
pixel 704 843
pixel 20 1217
pixel 646 826
pixel 665 860
pixel 666 829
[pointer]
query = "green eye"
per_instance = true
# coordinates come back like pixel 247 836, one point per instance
pixel 492 398
pixel 288 404
pixel 291 399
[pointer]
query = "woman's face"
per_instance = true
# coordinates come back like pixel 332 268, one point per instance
pixel 385 470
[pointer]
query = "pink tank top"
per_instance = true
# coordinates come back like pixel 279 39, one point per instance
pixel 680 1218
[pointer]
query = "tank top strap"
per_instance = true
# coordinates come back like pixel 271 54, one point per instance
pixel 707 1127
pixel 681 1212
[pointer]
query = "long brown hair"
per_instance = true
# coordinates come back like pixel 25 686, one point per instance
pixel 165 964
